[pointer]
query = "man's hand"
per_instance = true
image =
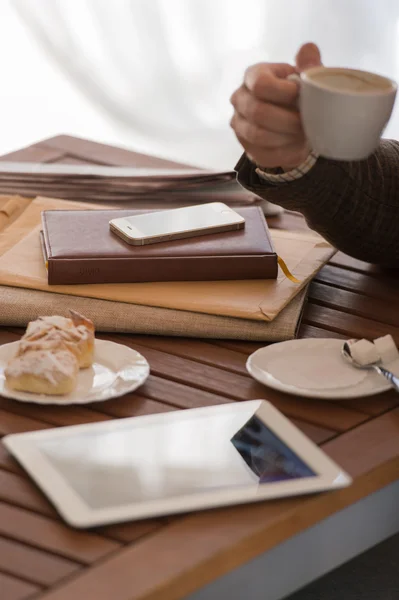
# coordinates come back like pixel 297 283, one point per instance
pixel 266 120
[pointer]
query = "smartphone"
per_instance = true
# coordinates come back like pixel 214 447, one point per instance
pixel 177 223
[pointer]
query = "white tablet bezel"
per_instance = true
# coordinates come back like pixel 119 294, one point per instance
pixel 76 512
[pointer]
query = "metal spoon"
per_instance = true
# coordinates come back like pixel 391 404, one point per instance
pixel 393 380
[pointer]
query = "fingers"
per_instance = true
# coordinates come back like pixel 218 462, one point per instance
pixel 269 82
pixel 265 115
pixel 258 136
pixel 267 148
pixel 308 56
pixel 266 120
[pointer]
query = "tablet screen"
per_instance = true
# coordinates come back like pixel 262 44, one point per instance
pixel 166 459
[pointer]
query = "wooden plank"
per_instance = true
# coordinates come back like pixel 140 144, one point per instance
pixel 384 288
pixel 343 260
pixel 20 491
pixel 355 304
pixel 33 565
pixel 53 415
pixel 310 331
pixel 47 534
pixel 316 433
pixel 12 423
pixel 237 387
pixel 349 325
pixel 195 550
pixel 199 351
pixel 15 589
pixel 179 395
pixel 375 405
pixel 244 347
pixel 132 405
pixel 7 336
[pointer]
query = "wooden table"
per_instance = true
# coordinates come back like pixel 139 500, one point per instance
pixel 262 550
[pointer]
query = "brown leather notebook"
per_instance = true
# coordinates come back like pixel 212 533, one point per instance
pixel 79 247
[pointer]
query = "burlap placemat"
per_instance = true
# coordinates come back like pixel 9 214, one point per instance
pixel 19 306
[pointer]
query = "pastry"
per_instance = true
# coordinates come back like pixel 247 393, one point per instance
pixel 50 354
pixel 76 333
pixel 51 371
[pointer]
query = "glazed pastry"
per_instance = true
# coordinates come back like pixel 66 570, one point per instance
pixel 47 371
pixel 76 334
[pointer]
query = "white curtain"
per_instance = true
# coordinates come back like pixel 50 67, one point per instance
pixel 162 71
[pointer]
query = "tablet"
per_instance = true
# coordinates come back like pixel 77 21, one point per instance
pixel 180 461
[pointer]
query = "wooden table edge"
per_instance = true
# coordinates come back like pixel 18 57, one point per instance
pixel 300 520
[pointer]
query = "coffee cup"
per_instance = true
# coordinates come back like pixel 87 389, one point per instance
pixel 344 111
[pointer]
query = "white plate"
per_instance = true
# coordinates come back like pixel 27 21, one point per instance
pixel 316 369
pixel 116 370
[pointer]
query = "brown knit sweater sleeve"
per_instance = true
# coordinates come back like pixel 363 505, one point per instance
pixel 354 205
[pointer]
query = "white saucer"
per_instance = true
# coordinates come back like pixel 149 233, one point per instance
pixel 116 370
pixel 315 368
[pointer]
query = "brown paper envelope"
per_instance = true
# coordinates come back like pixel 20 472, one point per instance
pixel 11 207
pixel 22 265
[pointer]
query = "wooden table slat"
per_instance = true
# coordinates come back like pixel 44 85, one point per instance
pixel 349 325
pixel 343 260
pixel 385 288
pixel 53 415
pixel 310 331
pixel 374 405
pixel 316 433
pixel 15 589
pixel 202 352
pixel 238 346
pixel 20 491
pixel 13 423
pixel 178 394
pixel 132 405
pixel 355 304
pixel 31 564
pixel 47 534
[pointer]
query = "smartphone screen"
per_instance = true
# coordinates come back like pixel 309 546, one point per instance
pixel 179 221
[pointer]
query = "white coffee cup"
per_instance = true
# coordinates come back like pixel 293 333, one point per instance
pixel 344 111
